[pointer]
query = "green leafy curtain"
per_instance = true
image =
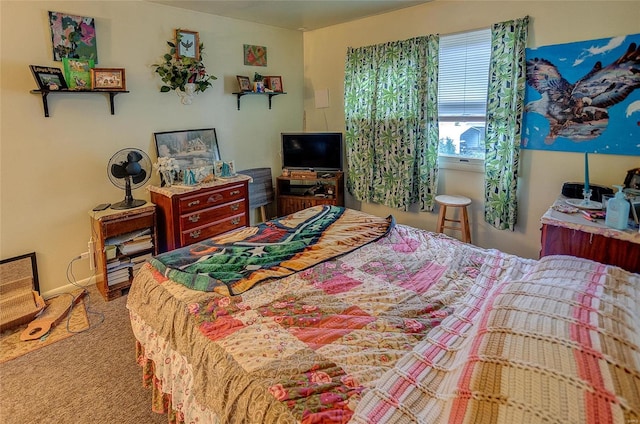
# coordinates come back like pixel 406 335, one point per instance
pixel 392 122
pixel 505 102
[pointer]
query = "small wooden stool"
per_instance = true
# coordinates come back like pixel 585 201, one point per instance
pixel 462 202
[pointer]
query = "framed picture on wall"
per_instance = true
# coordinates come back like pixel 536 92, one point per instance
pixel 73 36
pixel 187 44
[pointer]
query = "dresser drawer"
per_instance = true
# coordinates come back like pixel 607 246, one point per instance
pixel 206 199
pixel 127 224
pixel 213 229
pixel 216 213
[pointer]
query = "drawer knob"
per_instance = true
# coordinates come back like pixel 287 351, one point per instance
pixel 194 218
pixel 195 234
pixel 193 203
pixel 235 221
pixel 214 198
pixel 235 207
pixel 234 193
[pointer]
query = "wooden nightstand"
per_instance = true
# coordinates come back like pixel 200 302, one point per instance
pixel 125 239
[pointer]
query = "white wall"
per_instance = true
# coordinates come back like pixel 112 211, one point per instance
pixel 541 173
pixel 53 170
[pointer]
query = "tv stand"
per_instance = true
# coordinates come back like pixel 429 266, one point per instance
pixel 294 193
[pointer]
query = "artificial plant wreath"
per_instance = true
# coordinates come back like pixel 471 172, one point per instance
pixel 177 71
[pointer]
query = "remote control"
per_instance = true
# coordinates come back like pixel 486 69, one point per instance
pixel 101 207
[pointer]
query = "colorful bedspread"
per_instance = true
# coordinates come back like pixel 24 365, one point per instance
pixel 414 327
pixel 233 263
pixel 559 345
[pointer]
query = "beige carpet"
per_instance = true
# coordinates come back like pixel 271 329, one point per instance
pixel 90 378
pixel 12 347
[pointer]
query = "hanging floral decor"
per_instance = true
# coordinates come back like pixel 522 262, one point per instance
pixel 178 71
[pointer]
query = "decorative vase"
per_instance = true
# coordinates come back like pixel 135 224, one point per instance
pixel 186 96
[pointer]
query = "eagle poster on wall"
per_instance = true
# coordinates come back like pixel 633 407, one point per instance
pixel 584 97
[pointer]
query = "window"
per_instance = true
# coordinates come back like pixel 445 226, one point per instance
pixel 462 97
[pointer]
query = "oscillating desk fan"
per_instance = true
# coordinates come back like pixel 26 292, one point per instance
pixel 129 169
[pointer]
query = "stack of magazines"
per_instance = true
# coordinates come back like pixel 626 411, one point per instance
pixel 133 242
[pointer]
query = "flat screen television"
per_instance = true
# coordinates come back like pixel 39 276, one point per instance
pixel 318 151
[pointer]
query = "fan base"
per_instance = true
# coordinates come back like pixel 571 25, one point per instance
pixel 134 203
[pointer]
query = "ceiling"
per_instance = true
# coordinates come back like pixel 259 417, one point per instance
pixel 302 15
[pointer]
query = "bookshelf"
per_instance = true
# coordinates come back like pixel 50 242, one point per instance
pixel 125 240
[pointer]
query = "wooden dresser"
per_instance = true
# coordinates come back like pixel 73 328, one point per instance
pixel 572 234
pixel 189 214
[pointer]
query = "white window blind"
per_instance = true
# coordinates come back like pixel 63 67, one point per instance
pixel 463 75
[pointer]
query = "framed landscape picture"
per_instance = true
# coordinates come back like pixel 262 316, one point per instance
pixel 48 78
pixel 77 72
pixel 191 148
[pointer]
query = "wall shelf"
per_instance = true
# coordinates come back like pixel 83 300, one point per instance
pixel 239 94
pixel 45 93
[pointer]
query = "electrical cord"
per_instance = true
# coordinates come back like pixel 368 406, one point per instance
pixel 72 279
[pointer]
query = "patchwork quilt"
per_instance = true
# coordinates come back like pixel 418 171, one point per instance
pixel 411 327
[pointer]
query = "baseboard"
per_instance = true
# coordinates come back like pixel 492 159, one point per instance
pixel 67 288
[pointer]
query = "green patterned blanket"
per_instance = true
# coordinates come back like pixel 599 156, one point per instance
pixel 233 263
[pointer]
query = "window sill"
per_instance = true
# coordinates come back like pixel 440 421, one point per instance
pixel 461 163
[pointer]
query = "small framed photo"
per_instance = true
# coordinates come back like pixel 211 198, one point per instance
pixel 244 83
pixel 274 83
pixel 48 78
pixel 224 169
pixel 187 44
pixel 108 79
pixel 217 168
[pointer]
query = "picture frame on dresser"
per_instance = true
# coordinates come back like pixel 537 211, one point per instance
pixel 192 149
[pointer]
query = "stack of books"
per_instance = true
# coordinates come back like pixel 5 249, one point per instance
pixel 118 270
pixel 138 261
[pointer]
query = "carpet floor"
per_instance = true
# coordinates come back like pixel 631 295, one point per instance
pixel 91 377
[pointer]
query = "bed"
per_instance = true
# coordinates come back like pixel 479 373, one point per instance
pixel 331 315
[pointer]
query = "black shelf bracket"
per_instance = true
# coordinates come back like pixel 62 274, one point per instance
pixel 239 94
pixel 45 93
